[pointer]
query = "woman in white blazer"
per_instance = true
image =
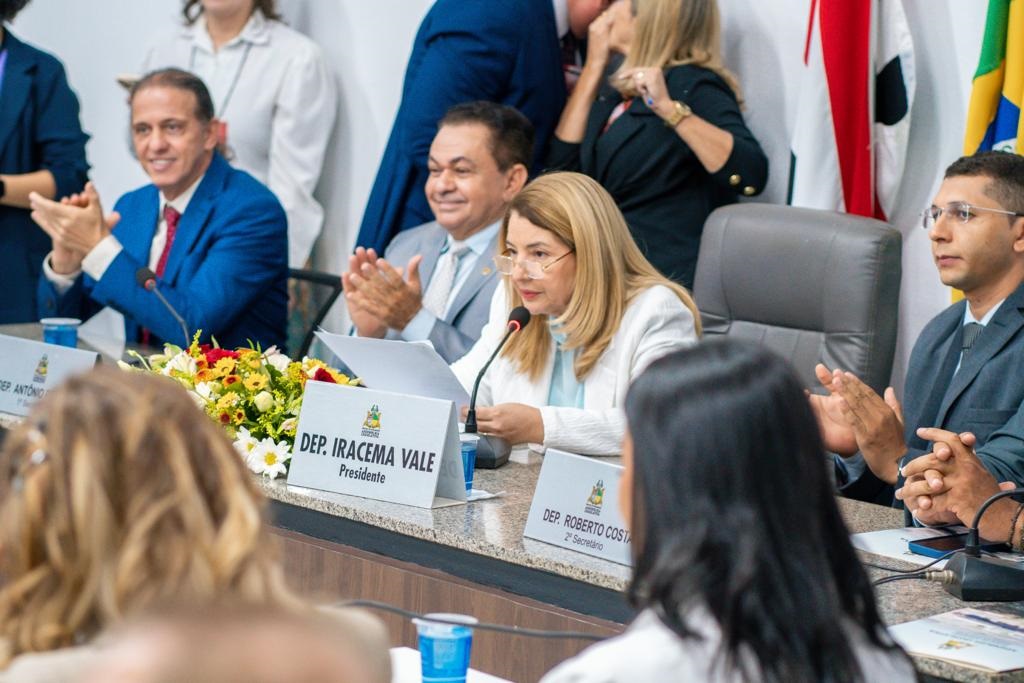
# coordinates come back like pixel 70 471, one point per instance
pixel 742 567
pixel 601 314
pixel 273 91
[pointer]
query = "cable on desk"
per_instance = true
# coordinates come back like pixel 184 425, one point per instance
pixel 499 628
pixel 940 575
pixel 897 570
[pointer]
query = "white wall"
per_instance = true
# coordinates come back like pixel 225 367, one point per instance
pixel 368 43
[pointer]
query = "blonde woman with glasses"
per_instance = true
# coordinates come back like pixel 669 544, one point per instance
pixel 601 314
pixel 118 496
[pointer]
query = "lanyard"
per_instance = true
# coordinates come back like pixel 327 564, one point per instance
pixel 219 111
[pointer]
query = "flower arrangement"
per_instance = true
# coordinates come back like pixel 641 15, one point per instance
pixel 255 395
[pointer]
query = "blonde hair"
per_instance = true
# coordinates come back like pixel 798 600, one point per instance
pixel 610 270
pixel 671 33
pixel 116 495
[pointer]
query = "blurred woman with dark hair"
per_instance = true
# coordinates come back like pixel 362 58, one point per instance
pixel 273 93
pixel 743 568
pixel 42 149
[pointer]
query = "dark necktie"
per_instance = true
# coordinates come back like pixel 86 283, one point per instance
pixel 570 59
pixel 172 216
pixel 971 332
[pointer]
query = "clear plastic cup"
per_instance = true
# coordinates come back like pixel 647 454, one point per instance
pixel 468 444
pixel 444 648
pixel 61 331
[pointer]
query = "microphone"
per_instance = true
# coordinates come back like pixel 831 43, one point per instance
pixel 973 577
pixel 517 320
pixel 147 280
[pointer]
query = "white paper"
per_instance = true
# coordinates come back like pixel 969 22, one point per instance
pixel 976 638
pixel 105 332
pixel 405 668
pixel 397 366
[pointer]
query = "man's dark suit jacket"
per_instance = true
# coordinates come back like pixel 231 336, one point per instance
pixel 504 51
pixel 986 395
pixel 39 130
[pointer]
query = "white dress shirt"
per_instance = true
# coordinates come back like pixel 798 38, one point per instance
pixel 273 88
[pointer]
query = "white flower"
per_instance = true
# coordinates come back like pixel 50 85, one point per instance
pixel 205 391
pixel 269 457
pixel 290 424
pixel 278 360
pixel 264 401
pixel 181 363
pixel 244 443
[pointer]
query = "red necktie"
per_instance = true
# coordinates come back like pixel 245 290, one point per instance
pixel 172 216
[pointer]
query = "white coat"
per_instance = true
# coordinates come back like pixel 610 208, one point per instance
pixel 655 323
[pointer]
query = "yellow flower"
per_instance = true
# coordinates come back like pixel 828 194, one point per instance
pixel 255 382
pixel 226 401
pixel 225 366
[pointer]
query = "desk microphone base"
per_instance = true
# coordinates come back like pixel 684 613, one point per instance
pixel 491 452
pixel 985 578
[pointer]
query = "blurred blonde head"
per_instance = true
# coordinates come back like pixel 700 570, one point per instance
pixel 670 33
pixel 610 270
pixel 118 494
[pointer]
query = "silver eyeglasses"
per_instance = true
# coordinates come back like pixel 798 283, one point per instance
pixel 535 270
pixel 961 211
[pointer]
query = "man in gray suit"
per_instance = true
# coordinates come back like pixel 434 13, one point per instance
pixel 966 371
pixel 478 162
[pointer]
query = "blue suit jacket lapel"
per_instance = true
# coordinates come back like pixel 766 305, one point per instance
pixel 17 83
pixel 1003 326
pixel 195 218
pixel 431 251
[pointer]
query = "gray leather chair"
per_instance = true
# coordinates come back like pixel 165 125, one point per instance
pixel 813 286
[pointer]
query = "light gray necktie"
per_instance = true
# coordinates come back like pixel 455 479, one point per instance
pixel 440 288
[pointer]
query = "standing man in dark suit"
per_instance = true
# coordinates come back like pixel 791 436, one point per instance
pixel 441 289
pixel 966 371
pixel 42 149
pixel 215 237
pixel 505 51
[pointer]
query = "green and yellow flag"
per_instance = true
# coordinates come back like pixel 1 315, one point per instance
pixel 993 117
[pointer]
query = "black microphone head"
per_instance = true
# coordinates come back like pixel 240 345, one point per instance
pixel 145 277
pixel 519 317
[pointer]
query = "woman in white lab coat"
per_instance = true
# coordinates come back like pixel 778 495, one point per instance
pixel 274 94
pixel 601 314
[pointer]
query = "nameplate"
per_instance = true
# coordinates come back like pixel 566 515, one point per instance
pixel 377 444
pixel 29 369
pixel 576 506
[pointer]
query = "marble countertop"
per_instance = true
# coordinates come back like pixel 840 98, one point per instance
pixel 493 528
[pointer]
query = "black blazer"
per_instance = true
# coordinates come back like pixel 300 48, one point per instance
pixel 655 178
pixel 39 129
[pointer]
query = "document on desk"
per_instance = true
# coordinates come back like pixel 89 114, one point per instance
pixel 397 366
pixel 981 639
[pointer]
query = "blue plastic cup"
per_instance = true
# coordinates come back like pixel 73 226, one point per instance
pixel 61 331
pixel 444 648
pixel 468 443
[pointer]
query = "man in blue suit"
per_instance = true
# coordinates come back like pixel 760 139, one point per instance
pixel 214 236
pixel 505 51
pixel 442 289
pixel 42 149
pixel 966 371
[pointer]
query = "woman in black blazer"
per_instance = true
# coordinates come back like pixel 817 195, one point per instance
pixel 42 149
pixel 655 118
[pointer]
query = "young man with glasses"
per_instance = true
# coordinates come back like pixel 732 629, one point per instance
pixel 966 371
pixel 436 280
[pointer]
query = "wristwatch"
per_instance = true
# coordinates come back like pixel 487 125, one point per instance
pixel 679 112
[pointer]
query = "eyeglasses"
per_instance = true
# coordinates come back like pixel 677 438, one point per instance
pixel 535 270
pixel 961 211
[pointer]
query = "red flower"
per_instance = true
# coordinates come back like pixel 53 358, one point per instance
pixel 225 418
pixel 322 375
pixel 214 355
pixel 230 379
